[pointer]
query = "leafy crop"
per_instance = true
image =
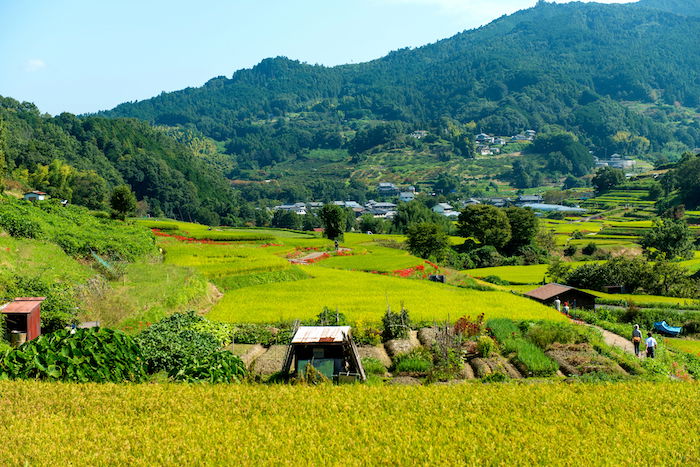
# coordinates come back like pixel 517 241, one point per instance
pixel 88 355
pixel 525 354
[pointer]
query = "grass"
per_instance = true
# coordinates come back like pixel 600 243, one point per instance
pixel 104 424
pixel 363 296
pixel 684 345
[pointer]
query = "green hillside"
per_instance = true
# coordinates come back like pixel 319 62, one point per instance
pixel 592 69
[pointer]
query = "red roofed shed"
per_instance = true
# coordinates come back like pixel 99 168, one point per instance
pixel 23 315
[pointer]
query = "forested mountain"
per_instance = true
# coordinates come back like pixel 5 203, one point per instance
pixel 81 159
pixel 623 78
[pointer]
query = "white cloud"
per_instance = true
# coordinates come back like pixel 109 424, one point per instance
pixel 34 64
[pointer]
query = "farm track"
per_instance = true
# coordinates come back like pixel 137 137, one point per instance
pixel 312 257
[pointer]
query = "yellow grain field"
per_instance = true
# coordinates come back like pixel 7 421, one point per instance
pixel 513 424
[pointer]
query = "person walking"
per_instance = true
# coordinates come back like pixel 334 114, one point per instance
pixel 651 346
pixel 566 308
pixel 557 304
pixel 636 339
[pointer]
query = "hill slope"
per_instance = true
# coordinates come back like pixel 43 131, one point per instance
pixel 593 69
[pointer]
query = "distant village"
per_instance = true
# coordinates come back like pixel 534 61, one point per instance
pixel 387 209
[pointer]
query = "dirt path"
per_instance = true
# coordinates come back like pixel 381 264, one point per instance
pixel 614 340
pixel 312 257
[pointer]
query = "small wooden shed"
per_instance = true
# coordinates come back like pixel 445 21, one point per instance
pixel 550 292
pixel 329 349
pixel 23 318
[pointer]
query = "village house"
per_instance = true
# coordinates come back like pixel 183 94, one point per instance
pixel 523 199
pixel 483 138
pixel 576 298
pixel 445 209
pixel 407 196
pixel 35 196
pixel 419 134
pixel 387 189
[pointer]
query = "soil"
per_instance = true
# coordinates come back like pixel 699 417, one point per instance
pixel 406 381
pixel 252 353
pixel 269 362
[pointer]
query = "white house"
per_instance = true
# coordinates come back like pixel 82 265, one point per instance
pixel 35 196
pixel 407 196
pixel 443 208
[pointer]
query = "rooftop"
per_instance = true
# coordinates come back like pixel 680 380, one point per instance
pixel 551 290
pixel 22 305
pixel 320 334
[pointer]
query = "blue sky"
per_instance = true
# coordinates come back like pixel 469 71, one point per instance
pixel 87 55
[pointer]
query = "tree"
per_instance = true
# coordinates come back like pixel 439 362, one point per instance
pixel 122 201
pixel 3 158
pixel 607 178
pixel 283 219
pixel 669 239
pixel 487 224
pixel 687 175
pixel 524 226
pixel 427 240
pixel 333 221
pixel 415 212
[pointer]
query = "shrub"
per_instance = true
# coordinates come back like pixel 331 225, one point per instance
pixel 467 327
pixel 87 355
pixel 366 334
pixel 373 366
pixel 217 367
pixel 570 250
pixel 416 361
pixel 396 325
pixel 19 226
pixel 495 377
pixel 168 344
pixel 485 346
pixel 545 334
pixel 589 249
pixel 330 317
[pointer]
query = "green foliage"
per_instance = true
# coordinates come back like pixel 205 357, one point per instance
pixel 75 230
pixel 528 356
pixel 635 274
pixel 330 317
pixel 418 360
pixel 396 325
pixel 669 239
pixel 545 334
pixel 366 334
pixel 122 201
pixel 216 367
pixel 607 178
pixel 485 346
pixel 373 366
pixel 283 219
pixel 173 342
pixel 415 212
pixel 487 224
pixel 427 240
pixel 565 154
pixel 524 226
pixel 333 220
pixel 88 355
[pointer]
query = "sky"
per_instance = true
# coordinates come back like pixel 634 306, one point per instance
pixel 82 56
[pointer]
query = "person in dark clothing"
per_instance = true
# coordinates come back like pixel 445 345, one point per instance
pixel 651 346
pixel 636 339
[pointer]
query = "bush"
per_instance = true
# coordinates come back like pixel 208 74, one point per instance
pixel 217 367
pixel 373 366
pixel 485 346
pixel 88 355
pixel 330 317
pixel 589 249
pixel 366 334
pixel 467 327
pixel 545 334
pixel 396 325
pixel 416 361
pixel 168 344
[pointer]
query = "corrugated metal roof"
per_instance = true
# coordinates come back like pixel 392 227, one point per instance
pixel 22 305
pixel 319 334
pixel 552 290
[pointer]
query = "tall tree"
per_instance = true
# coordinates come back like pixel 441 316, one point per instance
pixel 333 221
pixel 427 240
pixel 524 226
pixel 487 224
pixel 670 239
pixel 122 201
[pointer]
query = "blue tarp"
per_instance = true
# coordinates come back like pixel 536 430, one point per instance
pixel 664 328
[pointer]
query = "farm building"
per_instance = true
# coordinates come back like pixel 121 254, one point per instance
pixel 550 292
pixel 35 196
pixel 23 318
pixel 329 349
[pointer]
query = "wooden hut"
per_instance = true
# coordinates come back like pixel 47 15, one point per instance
pixel 329 349
pixel 23 318
pixel 575 297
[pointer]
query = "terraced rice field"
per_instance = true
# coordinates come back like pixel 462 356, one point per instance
pixel 532 274
pixel 684 345
pixel 179 424
pixel 363 296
